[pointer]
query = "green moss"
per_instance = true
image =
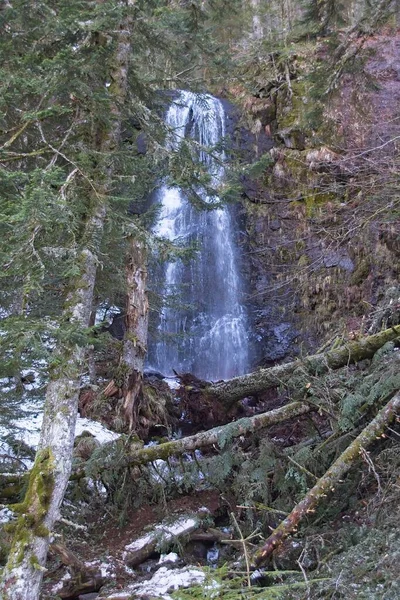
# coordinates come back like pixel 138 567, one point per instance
pixel 121 373
pixel 35 505
pixel 303 261
pixel 35 563
pixel 4 547
pixel 361 272
pixel 292 111
pixel 41 531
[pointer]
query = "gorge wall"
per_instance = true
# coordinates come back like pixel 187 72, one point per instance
pixel 323 215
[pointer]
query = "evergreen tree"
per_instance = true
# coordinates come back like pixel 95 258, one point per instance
pixel 323 16
pixel 78 83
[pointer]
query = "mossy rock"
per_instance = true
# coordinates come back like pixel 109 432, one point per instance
pixel 292 137
pixel 291 111
pixel 361 272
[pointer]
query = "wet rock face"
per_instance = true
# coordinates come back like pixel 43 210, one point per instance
pixel 323 246
pixel 244 142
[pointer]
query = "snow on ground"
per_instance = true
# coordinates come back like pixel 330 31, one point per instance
pixel 28 429
pixel 25 423
pixel 172 382
pixel 164 532
pixel 59 586
pixel 162 582
pixel 6 515
pixel 107 569
pixel 165 580
pixel 101 433
pixel 172 557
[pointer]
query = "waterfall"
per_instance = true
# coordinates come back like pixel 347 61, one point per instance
pixel 202 328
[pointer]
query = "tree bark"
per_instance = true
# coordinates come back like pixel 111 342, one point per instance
pixel 230 391
pixel 135 342
pixel 258 31
pixel 49 476
pixel 331 478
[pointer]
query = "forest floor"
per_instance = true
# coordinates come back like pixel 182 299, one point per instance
pixel 349 549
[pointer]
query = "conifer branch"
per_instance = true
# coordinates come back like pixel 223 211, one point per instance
pixel 332 477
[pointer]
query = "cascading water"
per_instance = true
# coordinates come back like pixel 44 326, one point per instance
pixel 202 328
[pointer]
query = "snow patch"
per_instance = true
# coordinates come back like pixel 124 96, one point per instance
pixel 172 383
pixel 107 569
pixel 59 586
pixel 6 515
pixel 101 433
pixel 172 557
pixel 164 531
pixel 162 582
pixel 28 427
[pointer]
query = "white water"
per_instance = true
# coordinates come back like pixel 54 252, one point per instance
pixel 204 330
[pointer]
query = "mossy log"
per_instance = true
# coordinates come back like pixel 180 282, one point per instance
pixel 218 436
pixel 230 391
pixel 330 480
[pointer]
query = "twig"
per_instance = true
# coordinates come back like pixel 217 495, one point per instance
pixel 244 541
pixel 304 575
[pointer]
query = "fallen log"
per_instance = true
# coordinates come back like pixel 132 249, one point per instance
pixel 83 579
pixel 162 536
pixel 331 478
pixel 230 391
pixel 218 436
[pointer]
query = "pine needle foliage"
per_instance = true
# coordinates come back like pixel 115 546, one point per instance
pixel 322 16
pixel 54 103
pixel 230 585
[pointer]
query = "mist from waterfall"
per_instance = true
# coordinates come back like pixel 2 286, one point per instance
pixel 203 326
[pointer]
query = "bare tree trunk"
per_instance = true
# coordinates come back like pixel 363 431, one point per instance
pixel 230 391
pixel 331 479
pixel 39 511
pixel 135 342
pixel 258 30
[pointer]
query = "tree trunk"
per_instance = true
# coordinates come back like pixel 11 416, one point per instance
pixel 49 476
pixel 331 479
pixel 230 391
pixel 135 342
pixel 258 31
